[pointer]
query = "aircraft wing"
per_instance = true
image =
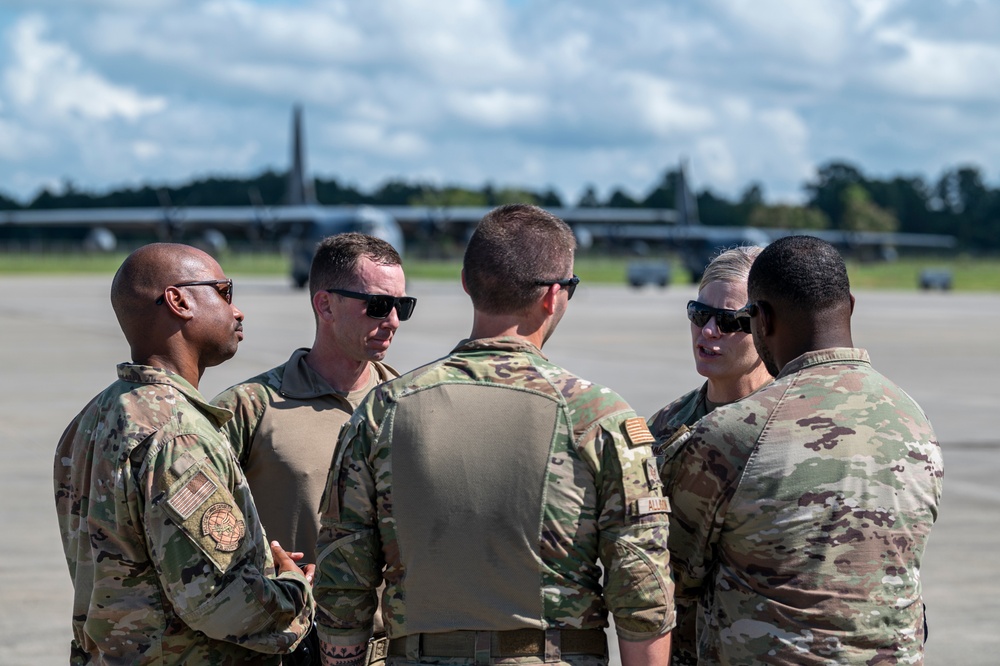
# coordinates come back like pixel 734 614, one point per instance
pixel 763 235
pixel 588 216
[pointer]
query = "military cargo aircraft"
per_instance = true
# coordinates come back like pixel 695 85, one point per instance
pixel 301 222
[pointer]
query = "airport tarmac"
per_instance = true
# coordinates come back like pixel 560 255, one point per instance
pixel 60 344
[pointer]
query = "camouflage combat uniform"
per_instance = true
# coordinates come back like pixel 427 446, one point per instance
pixel 800 516
pixel 168 559
pixel 489 483
pixel 684 411
pixel 284 431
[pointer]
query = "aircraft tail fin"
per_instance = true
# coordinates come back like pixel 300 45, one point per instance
pixel 684 201
pixel 299 190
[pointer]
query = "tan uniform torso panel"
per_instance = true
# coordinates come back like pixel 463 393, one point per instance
pixel 468 507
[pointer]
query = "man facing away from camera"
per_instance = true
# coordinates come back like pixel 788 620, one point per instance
pixel 801 512
pixel 489 486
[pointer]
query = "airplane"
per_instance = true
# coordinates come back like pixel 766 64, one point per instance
pixel 301 222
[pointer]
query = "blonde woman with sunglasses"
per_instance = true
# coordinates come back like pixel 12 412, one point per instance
pixel 724 352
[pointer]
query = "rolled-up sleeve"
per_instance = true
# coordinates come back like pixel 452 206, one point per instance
pixel 634 525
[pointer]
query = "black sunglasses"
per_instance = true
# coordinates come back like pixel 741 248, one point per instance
pixel 569 284
pixel 224 287
pixel 728 321
pixel 381 305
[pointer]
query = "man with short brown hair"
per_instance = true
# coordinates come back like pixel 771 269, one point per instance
pixel 486 488
pixel 286 419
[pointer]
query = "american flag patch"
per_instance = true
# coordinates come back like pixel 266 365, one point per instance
pixel 637 431
pixel 192 495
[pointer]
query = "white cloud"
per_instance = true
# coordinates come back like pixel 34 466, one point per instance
pixel 497 108
pixel 661 107
pixel 52 80
pixel 377 140
pixel 562 93
pixel 937 69
pixel 814 32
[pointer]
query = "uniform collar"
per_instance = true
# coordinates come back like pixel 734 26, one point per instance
pixel 822 356
pixel 301 382
pixel 144 374
pixel 504 344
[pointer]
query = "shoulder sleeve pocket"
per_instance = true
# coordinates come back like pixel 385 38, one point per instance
pixel 205 514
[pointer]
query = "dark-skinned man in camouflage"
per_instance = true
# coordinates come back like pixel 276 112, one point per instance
pixel 169 561
pixel 492 484
pixel 801 512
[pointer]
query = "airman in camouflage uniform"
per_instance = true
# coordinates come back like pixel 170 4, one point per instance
pixel 801 513
pixel 683 412
pixel 169 561
pixel 723 353
pixel 491 484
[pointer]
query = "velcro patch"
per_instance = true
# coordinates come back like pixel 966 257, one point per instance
pixel 638 432
pixel 653 474
pixel 221 524
pixel 648 505
pixel 194 493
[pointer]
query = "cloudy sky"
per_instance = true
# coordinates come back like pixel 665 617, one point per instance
pixel 533 93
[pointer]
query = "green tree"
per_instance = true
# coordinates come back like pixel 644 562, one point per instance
pixel 862 214
pixel 450 196
pixel 785 216
pixel 827 191
pixel 508 195
pixel 589 198
pixel 620 199
pixel 968 208
pixel 662 195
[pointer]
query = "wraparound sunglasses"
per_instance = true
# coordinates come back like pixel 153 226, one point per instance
pixel 728 321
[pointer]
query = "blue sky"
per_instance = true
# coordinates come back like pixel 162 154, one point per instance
pixel 560 93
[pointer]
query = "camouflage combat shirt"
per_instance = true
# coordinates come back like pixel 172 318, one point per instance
pixel 800 516
pixel 489 484
pixel 684 411
pixel 168 559
pixel 283 431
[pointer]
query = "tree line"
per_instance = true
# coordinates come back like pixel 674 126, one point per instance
pixel 840 197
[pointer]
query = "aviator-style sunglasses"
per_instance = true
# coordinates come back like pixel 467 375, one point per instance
pixel 569 284
pixel 380 305
pixel 224 287
pixel 728 321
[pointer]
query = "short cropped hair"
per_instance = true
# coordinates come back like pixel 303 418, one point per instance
pixel 732 265
pixel 513 247
pixel 335 264
pixel 800 271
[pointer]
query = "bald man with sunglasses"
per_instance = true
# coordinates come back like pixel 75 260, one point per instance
pixel 169 562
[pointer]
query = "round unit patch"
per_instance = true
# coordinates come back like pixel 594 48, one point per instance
pixel 222 525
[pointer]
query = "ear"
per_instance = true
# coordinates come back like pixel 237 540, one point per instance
pixel 321 305
pixel 767 318
pixel 178 303
pixel 549 300
pixel 852 304
pixel 464 286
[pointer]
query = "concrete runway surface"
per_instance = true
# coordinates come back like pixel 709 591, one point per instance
pixel 60 343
